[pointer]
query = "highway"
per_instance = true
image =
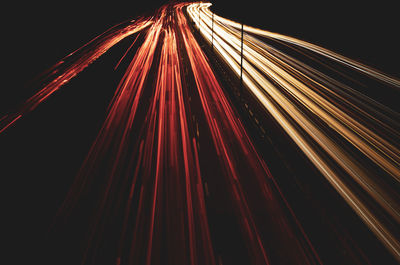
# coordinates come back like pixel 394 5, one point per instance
pixel 186 167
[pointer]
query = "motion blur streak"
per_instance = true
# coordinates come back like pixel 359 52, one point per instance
pixel 315 48
pixel 173 177
pixel 149 163
pixel 334 125
pixel 226 129
pixel 71 65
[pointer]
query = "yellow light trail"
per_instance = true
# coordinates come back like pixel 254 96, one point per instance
pixel 296 95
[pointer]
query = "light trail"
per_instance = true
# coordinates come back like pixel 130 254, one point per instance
pixel 157 156
pixel 173 156
pixel 300 98
pixel 317 49
pixel 228 127
pixel 74 63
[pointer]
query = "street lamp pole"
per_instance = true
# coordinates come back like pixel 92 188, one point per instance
pixel 212 32
pixel 241 59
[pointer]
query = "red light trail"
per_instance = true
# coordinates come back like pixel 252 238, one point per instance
pixel 173 155
pixel 74 63
pixel 167 154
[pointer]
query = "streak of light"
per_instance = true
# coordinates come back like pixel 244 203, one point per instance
pixel 211 93
pixel 320 50
pixel 156 156
pixel 144 184
pixel 73 64
pixel 296 99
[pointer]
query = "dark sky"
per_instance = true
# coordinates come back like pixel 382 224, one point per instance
pixel 41 32
pixel 367 29
pixel 363 30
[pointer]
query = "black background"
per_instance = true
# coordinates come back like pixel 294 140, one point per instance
pixel 41 155
pixel 38 33
pixel 363 30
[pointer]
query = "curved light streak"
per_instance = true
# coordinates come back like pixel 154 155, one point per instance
pixel 286 87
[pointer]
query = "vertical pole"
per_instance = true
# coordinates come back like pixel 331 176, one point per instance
pixel 199 16
pixel 212 32
pixel 241 60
